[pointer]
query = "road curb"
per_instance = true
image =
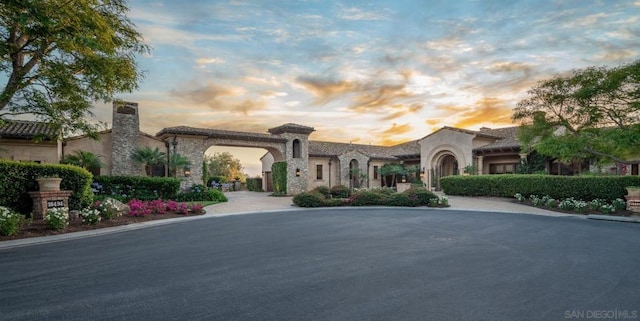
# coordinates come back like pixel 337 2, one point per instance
pixel 614 218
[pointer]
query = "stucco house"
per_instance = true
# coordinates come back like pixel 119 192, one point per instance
pixel 447 151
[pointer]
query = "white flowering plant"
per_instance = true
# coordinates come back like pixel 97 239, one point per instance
pixel 57 218
pixel 10 221
pixel 90 216
pixel 107 208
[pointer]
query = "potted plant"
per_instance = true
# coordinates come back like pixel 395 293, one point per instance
pixel 49 183
pixel 633 191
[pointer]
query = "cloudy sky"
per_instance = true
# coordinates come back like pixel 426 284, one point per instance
pixel 377 71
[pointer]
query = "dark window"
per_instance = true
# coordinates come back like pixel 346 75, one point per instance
pixel 158 171
pixel 318 172
pixel 296 148
pixel 503 168
pixel 375 172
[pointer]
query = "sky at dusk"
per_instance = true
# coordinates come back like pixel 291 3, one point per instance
pixel 368 72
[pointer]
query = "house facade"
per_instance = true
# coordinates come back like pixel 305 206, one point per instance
pixel 447 151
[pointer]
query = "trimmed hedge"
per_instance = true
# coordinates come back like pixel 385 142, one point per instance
pixel 254 184
pixel 340 191
pixel 558 187
pixel 368 197
pixel 125 188
pixel 19 178
pixel 203 195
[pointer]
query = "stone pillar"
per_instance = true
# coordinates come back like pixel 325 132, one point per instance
pixel 193 149
pixel 296 155
pixel 125 132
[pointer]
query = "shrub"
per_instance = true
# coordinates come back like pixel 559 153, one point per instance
pixel 108 208
pixel 340 191
pixel 158 207
pixel 401 199
pixel 433 202
pixel 324 190
pixel 619 204
pixel 444 201
pixel 57 218
pixel 607 209
pixel 196 208
pixel 368 197
pixel 138 208
pixel 567 204
pixel 421 195
pixel 309 199
pixel 558 187
pixel 90 216
pixel 126 188
pixel 19 178
pixel 519 197
pixel 202 196
pixel 254 184
pixel 10 221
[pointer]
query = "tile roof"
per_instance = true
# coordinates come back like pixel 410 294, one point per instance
pixel 508 139
pixel 219 133
pixel 26 129
pixel 319 148
pixel 291 128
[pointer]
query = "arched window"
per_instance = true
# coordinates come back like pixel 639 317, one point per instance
pixel 296 148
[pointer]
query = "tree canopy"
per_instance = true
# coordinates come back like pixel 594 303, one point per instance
pixel 58 57
pixel 149 157
pixel 592 113
pixel 224 165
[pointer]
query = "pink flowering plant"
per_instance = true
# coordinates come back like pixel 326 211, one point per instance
pixel 138 208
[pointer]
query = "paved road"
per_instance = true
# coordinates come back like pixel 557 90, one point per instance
pixel 332 264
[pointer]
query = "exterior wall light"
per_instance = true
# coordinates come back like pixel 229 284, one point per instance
pixel 187 172
pixel 422 173
pixel 298 172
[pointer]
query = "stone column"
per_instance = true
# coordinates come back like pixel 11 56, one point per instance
pixel 480 164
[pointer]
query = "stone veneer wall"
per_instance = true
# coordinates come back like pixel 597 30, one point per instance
pixel 126 130
pixel 297 184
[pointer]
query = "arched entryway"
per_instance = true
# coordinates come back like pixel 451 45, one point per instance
pixel 446 164
pixel 354 174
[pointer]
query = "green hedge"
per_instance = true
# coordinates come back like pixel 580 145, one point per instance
pixel 254 184
pixel 279 175
pixel 18 179
pixel 125 188
pixel 367 197
pixel 558 187
pixel 211 194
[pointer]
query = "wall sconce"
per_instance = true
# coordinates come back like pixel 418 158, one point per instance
pixel 187 172
pixel 298 172
pixel 422 173
pixel 404 179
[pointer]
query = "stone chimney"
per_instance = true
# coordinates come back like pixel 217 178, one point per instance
pixel 125 132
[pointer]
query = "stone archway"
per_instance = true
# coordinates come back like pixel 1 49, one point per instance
pixel 280 142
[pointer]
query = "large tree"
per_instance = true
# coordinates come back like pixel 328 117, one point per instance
pixel 593 113
pixel 57 57
pixel 224 165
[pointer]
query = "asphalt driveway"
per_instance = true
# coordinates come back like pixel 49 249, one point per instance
pixel 333 264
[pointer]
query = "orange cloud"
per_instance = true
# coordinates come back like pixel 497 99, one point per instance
pixel 414 108
pixel 489 110
pixel 398 129
pixel 326 90
pixel 222 98
pixel 378 96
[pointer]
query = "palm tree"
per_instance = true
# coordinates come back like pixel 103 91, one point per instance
pixel 177 161
pixel 149 157
pixel 84 159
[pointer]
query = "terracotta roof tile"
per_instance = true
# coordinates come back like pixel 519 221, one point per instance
pixel 27 130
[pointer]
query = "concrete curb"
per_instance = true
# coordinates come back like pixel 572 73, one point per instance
pixel 634 219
